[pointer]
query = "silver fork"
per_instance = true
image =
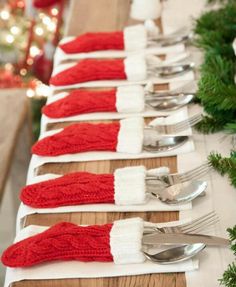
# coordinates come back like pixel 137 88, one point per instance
pixel 176 178
pixel 195 226
pixel 175 128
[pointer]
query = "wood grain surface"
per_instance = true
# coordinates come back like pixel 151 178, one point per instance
pixel 103 15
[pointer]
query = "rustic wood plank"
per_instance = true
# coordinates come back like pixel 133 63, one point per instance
pixel 103 15
pixel 13 112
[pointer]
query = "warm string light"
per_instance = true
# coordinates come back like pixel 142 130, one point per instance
pixel 40 90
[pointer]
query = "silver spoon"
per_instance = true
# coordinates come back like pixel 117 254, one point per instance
pixel 176 254
pixel 165 143
pixel 178 193
pixel 171 70
pixel 169 102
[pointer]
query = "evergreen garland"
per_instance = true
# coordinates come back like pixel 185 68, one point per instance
pixel 229 276
pixel 224 165
pixel 215 31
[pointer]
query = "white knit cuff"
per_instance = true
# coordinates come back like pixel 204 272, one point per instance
pixel 135 68
pixel 145 9
pixel 135 37
pixel 126 241
pixel 130 137
pixel 130 99
pixel 130 186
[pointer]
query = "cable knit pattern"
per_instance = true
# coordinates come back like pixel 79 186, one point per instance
pixel 71 189
pixel 90 70
pixel 90 42
pixel 63 241
pixel 77 138
pixel 81 102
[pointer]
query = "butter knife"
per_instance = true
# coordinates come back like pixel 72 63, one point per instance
pixel 180 238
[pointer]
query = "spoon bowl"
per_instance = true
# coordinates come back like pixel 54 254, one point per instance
pixel 176 254
pixel 165 143
pixel 170 102
pixel 179 193
pixel 173 70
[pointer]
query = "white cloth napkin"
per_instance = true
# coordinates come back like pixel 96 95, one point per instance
pixel 76 269
pixel 188 76
pixel 37 161
pixel 148 112
pixel 150 205
pixel 62 56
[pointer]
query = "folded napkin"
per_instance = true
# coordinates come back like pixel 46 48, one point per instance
pixel 115 44
pixel 70 192
pixel 126 186
pixel 76 269
pixel 127 99
pixel 129 143
pixel 58 104
pixel 132 38
pixel 119 242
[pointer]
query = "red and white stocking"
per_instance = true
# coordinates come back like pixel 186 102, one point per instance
pixel 128 99
pixel 133 68
pixel 125 187
pixel 120 242
pixel 125 136
pixel 132 38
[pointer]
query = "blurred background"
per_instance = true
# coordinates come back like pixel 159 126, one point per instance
pixel 29 33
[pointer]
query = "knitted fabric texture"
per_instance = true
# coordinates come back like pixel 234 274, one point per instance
pixel 63 241
pixel 72 189
pixel 90 70
pixel 81 102
pixel 90 42
pixel 78 138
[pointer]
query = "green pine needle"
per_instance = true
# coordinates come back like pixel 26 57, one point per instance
pixel 215 32
pixel 224 165
pixel 229 276
pixel 209 125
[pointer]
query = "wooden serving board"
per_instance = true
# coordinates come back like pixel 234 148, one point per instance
pixel 103 15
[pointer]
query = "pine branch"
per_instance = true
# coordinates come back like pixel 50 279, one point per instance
pixel 224 165
pixel 216 27
pixel 231 128
pixel 209 125
pixel 232 238
pixel 229 276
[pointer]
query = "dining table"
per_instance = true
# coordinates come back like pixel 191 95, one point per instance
pixel 103 15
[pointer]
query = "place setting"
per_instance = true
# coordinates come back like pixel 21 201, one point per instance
pixel 129 138
pixel 128 189
pixel 144 38
pixel 118 248
pixel 116 103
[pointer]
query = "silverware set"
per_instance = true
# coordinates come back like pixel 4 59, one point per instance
pixel 180 36
pixel 168 101
pixel 179 188
pixel 173 244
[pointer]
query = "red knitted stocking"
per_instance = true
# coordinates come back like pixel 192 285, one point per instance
pixel 90 70
pixel 72 189
pixel 90 42
pixel 81 102
pixel 77 138
pixel 63 241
